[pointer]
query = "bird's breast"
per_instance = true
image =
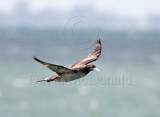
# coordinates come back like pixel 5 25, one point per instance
pixel 70 76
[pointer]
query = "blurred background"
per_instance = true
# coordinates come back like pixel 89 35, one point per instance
pixel 63 32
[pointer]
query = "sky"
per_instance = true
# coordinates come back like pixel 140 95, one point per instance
pixel 131 8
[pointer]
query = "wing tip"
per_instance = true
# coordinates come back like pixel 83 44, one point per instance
pixel 99 41
pixel 35 58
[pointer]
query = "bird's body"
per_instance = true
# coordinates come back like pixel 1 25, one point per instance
pixel 65 77
pixel 78 70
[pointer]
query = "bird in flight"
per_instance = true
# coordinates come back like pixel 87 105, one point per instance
pixel 77 70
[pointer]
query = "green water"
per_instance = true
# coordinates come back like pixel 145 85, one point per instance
pixel 127 86
pixel 20 96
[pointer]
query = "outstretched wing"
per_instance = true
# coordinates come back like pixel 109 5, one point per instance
pixel 93 56
pixel 56 68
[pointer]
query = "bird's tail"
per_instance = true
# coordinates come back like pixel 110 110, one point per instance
pixel 45 80
pixel 41 80
pixel 48 79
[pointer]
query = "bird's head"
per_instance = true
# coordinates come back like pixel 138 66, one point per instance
pixel 92 67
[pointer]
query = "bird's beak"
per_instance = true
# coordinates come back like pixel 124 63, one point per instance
pixel 96 69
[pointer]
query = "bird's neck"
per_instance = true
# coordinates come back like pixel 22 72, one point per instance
pixel 86 71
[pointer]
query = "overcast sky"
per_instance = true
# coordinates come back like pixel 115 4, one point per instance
pixel 133 8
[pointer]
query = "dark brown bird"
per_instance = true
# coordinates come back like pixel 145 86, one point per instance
pixel 78 70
